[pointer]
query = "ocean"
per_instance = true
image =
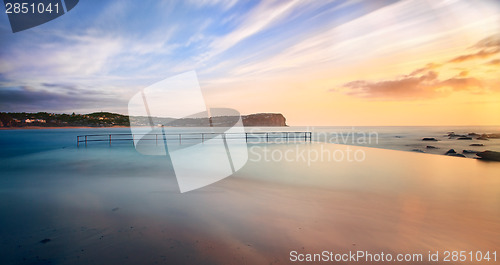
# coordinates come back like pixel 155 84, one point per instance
pixel 101 204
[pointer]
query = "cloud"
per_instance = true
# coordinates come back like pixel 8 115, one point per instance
pixel 487 48
pixel 428 67
pixel 29 99
pixel 427 85
pixel 405 87
pixel 494 62
pixel 424 82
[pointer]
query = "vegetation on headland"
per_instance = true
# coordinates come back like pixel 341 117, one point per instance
pixel 107 119
pixel 44 119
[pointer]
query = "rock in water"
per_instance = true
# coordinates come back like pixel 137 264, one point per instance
pixel 469 152
pixel 451 151
pixel 417 150
pixel 483 137
pixel 464 138
pixel 429 139
pixel 45 240
pixel 489 155
pixel 431 147
pixel 476 145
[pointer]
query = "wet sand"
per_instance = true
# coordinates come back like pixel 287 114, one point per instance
pixel 396 202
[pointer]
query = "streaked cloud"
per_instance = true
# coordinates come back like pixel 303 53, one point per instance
pixel 383 50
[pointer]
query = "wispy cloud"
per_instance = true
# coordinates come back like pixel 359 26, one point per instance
pixel 486 48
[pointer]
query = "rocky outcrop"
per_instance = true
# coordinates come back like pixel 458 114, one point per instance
pixel 264 119
pixel 429 139
pixel 452 152
pixel 489 155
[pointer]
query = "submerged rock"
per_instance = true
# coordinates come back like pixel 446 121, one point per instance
pixel 454 154
pixel 429 139
pixel 417 150
pixel 469 152
pixel 476 144
pixel 464 138
pixel 45 240
pixel 489 155
pixel 431 147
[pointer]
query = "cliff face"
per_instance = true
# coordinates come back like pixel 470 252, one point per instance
pixel 264 119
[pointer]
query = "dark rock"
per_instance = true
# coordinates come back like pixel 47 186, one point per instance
pixel 429 139
pixel 483 137
pixel 431 147
pixel 451 134
pixel 473 134
pixel 476 145
pixel 494 136
pixel 457 155
pixel 451 151
pixel 489 155
pixel 464 138
pixel 417 150
pixel 469 152
pixel 45 240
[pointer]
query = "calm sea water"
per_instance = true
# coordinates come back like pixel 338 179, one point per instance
pixel 19 142
pixel 111 205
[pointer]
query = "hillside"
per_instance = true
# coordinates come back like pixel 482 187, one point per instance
pixel 107 119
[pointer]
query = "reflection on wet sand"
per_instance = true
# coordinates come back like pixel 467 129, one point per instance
pixel 97 212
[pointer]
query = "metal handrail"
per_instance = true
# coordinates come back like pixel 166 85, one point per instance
pixel 306 136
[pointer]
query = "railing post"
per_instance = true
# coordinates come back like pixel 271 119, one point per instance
pixel 77 141
pixel 156 136
pixel 85 140
pixel 180 138
pixel 246 137
pixel 202 137
pixel 267 137
pixel 110 140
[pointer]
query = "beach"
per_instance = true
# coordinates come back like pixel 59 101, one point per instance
pixel 111 205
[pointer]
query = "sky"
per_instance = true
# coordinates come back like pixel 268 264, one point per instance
pixel 339 63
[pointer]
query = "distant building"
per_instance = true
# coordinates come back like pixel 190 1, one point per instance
pixel 35 120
